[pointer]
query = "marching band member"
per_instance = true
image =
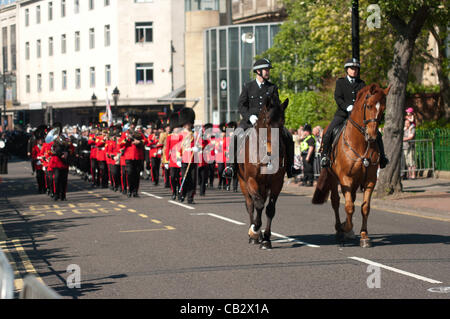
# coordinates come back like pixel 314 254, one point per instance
pixel 164 160
pixel 100 143
pixel 155 154
pixel 186 155
pixel 172 145
pixel 93 156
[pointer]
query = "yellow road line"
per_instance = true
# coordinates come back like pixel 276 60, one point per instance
pixel 132 210
pixel 122 206
pixel 143 215
pixel 156 221
pixel 25 260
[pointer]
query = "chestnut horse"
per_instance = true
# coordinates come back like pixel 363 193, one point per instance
pixel 354 162
pixel 261 173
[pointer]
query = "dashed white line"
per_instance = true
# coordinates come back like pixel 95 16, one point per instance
pixel 366 261
pixel 226 219
pixel 182 205
pixel 148 194
pixel 290 239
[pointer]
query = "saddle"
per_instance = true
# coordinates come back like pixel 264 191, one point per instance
pixel 336 133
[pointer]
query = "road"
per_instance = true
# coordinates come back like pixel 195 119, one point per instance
pixel 151 247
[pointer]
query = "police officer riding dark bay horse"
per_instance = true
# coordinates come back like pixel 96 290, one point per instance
pixel 261 110
pixel 251 101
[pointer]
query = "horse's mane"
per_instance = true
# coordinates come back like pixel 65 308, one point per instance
pixel 371 89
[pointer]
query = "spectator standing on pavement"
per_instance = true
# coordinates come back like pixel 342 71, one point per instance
pixel 4 154
pixel 409 134
pixel 308 153
pixel 410 116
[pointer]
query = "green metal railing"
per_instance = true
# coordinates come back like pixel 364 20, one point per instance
pixel 441 145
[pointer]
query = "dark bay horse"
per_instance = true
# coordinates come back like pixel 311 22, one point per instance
pixel 261 173
pixel 354 162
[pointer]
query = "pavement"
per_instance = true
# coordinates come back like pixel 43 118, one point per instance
pixel 422 197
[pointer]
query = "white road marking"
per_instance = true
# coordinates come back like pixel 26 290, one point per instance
pixel 148 194
pixel 226 219
pixel 182 205
pixel 366 261
pixel 290 239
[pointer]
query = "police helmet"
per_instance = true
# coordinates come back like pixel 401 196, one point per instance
pixel 262 64
pixel 352 63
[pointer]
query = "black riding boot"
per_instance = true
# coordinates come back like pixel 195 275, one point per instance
pixel 383 159
pixel 289 156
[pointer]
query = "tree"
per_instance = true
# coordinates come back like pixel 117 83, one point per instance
pixel 407 18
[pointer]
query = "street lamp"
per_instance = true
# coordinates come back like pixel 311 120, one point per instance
pixel 116 94
pixel 94 102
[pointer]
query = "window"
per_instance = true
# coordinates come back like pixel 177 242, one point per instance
pixel 27 84
pixel 38 48
pixel 91 4
pixel 92 77
pixel 76 7
pixel 5 47
pixel 27 50
pixel 13 50
pixel 50 11
pixel 50 46
pixel 39 82
pixel 51 83
pixel 77 40
pixel 144 32
pixel 64 80
pixel 106 3
pixel 107 35
pixel 107 75
pixel 91 38
pixel 144 73
pixel 27 17
pixel 77 78
pixel 63 8
pixel 38 14
pixel 63 44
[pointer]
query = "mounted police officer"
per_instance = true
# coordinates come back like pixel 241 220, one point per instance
pixel 250 103
pixel 345 95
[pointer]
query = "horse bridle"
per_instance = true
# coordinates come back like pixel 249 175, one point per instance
pixel 363 129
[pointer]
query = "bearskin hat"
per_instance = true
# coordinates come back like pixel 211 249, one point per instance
pixel 208 126
pixel 231 124
pixel 223 127
pixel 41 131
pixel 173 121
pixel 187 116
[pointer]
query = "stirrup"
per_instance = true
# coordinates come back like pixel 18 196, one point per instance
pixel 228 172
pixel 325 162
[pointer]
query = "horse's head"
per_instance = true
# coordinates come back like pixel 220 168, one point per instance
pixel 368 111
pixel 272 113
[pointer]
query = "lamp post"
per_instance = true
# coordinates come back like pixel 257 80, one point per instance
pixel 94 102
pixel 115 94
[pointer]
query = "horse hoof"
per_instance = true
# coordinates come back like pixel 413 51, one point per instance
pixel 253 241
pixel 266 245
pixel 350 235
pixel 365 243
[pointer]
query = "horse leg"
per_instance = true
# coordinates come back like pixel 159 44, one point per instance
pixel 347 227
pixel 365 209
pixel 270 213
pixel 254 201
pixel 335 204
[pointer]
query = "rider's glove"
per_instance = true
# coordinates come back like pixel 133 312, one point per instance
pixel 349 108
pixel 253 119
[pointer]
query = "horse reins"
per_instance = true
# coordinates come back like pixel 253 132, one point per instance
pixel 363 131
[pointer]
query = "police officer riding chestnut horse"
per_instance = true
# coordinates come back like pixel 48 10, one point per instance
pixel 353 158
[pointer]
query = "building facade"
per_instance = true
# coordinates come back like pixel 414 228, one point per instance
pixel 70 50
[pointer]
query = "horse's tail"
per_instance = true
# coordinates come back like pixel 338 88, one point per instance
pixel 322 188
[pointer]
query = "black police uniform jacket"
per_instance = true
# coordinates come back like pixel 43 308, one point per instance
pixel 345 94
pixel 251 100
